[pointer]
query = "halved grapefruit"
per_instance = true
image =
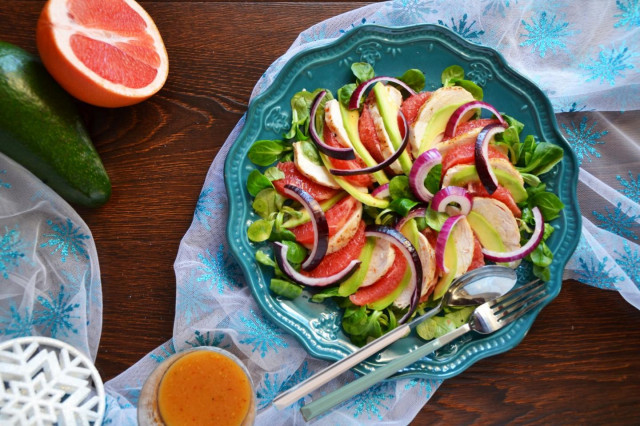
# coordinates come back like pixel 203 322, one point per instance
pixel 104 52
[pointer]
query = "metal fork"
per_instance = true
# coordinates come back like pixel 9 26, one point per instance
pixel 485 319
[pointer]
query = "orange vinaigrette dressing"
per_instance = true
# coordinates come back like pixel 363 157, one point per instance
pixel 204 388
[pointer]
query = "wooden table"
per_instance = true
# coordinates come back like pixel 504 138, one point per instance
pixel 579 363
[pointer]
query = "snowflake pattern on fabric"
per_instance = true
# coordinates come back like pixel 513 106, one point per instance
pixel 406 11
pixel 631 187
pixel 569 105
pixel 11 254
pixel 355 25
pixel 610 64
pixel 207 339
pixel 270 388
pixel 629 261
pixel 57 314
pixel 619 222
pixel 260 333
pixel 209 206
pixel 545 34
pixel 425 386
pixel 4 184
pixel 494 7
pixel 371 402
pixel 597 274
pixel 629 13
pixel 165 352
pixel 66 239
pixel 220 270
pixel 584 139
pixel 463 30
pixel 191 299
pixel 16 324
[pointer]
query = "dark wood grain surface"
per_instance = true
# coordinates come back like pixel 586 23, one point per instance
pixel 579 364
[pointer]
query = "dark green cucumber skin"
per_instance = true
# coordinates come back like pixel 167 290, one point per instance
pixel 41 129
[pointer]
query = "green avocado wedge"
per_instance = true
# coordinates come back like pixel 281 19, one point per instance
pixel 41 129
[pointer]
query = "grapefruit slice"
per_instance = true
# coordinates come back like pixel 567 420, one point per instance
pixel 335 262
pixel 336 217
pixel 293 177
pixel 107 53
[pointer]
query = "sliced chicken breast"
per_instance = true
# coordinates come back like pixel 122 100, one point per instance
pixel 382 258
pixel 346 233
pixel 315 172
pixel 500 218
pixel 386 147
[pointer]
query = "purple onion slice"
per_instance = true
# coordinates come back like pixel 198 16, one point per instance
pixel 443 237
pixel 452 194
pixel 485 172
pixel 536 238
pixel 357 95
pixel 411 255
pixel 339 153
pixel 381 192
pixel 416 212
pixel 419 171
pixel 384 164
pixel 280 253
pixel 319 222
pixel 457 115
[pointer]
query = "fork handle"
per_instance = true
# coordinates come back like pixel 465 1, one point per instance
pixel 315 408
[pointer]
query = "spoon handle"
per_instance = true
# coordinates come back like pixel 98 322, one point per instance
pixel 332 371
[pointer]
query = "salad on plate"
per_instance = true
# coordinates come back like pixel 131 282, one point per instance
pixel 382 193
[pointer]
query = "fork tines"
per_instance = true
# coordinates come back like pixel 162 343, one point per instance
pixel 519 301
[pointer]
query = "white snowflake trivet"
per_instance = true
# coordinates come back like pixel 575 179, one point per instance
pixel 47 382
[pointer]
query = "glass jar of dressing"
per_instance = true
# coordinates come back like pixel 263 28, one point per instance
pixel 200 386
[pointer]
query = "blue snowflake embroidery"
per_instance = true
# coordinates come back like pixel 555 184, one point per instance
pixel 66 239
pixel 630 13
pixel 405 12
pixel 629 261
pixel 221 270
pixel 166 352
pixel 568 105
pixel 426 386
pixel 584 138
pixel 56 314
pixel 207 339
pixel 371 401
pixel 209 207
pixel 631 187
pixel 597 275
pixel 11 247
pixel 191 299
pixel 545 34
pixel 354 25
pixel 610 64
pixel 261 334
pixel 619 222
pixel 269 389
pixel 17 324
pixel 494 7
pixel 2 183
pixel 462 29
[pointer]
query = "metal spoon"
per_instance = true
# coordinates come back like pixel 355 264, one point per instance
pixel 471 289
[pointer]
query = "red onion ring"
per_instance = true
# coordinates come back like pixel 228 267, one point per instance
pixel 457 115
pixel 280 254
pixel 485 172
pixel 416 212
pixel 536 238
pixel 339 153
pixel 384 164
pixel 382 191
pixel 452 194
pixel 411 255
pixel 443 237
pixel 319 222
pixel 419 171
pixel 356 96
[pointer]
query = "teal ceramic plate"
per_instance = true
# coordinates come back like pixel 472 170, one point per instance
pixel 392 51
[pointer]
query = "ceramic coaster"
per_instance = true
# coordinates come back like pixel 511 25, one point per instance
pixel 45 381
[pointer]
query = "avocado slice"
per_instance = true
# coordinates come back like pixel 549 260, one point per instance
pixel 351 284
pixel 389 114
pixel 451 262
pixel 437 125
pixel 469 173
pixel 350 120
pixel 487 234
pixel 383 303
pixel 41 129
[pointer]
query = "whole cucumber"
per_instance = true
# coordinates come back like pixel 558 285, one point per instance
pixel 41 129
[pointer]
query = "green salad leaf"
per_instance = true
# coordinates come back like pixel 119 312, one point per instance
pixel 414 78
pixel 267 152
